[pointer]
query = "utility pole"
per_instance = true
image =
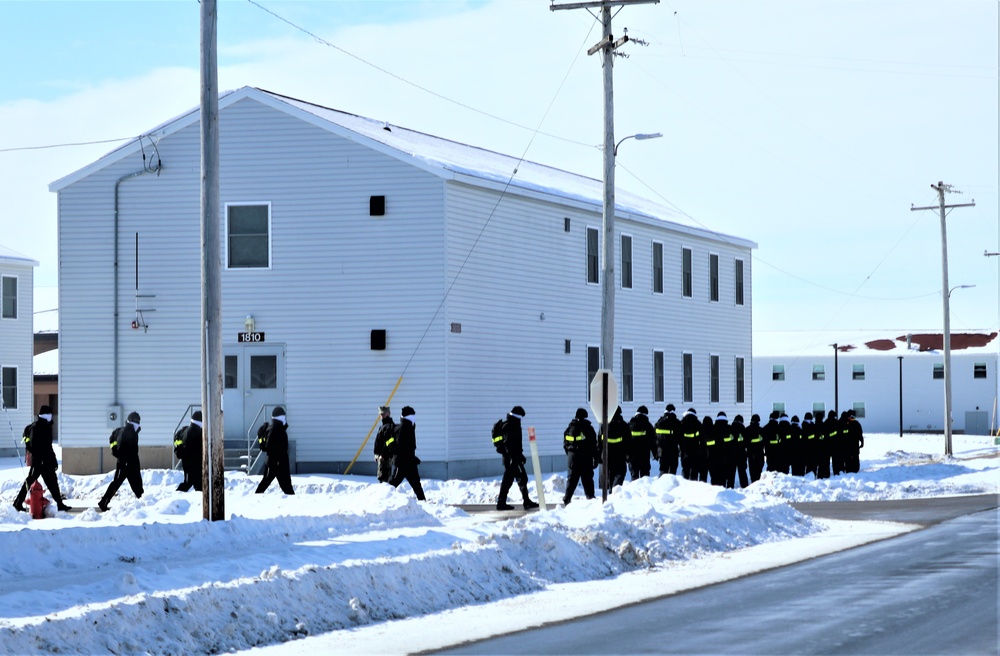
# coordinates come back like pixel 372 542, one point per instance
pixel 941 188
pixel 607 45
pixel 213 471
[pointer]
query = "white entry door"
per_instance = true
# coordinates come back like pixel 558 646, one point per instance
pixel 253 383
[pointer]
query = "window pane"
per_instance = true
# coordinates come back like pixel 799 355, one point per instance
pixel 248 236
pixel 979 370
pixel 819 410
pixel 688 384
pixel 819 372
pixel 9 294
pixel 263 372
pixel 686 281
pixel 230 380
pixel 739 282
pixel 859 409
pixel 714 372
pixel 593 364
pixel 658 376
pixel 778 372
pixel 10 387
pixel 740 380
pixel 627 390
pixel 858 372
pixel 593 258
pixel 713 277
pixel 939 372
pixel 626 262
pixel 657 268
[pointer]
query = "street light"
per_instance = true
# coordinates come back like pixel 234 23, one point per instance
pixel 947 368
pixel 638 137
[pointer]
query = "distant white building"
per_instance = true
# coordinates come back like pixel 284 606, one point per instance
pixel 892 381
pixel 357 252
pixel 16 343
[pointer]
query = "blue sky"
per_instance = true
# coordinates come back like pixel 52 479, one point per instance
pixel 807 127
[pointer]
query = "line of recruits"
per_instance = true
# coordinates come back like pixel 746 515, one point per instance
pixel 716 451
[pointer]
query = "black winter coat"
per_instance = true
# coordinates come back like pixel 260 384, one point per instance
pixel 385 438
pixel 43 455
pixel 587 447
pixel 512 438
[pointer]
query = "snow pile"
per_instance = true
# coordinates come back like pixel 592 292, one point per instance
pixel 344 552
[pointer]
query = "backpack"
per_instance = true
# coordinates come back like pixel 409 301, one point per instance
pixel 26 437
pixel 113 440
pixel 180 442
pixel 498 435
pixel 262 437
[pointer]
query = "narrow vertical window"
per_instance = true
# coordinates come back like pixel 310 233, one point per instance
pixel 979 370
pixel 686 279
pixel 566 224
pixel 230 376
pixel 626 262
pixel 9 377
pixel 739 282
pixel 859 409
pixel 628 391
pixel 688 382
pixel 593 364
pixel 778 372
pixel 658 376
pixel 819 372
pixel 740 380
pixel 657 268
pixel 938 372
pixel 713 277
pixel 9 294
pixel 714 378
pixel 858 372
pixel 593 256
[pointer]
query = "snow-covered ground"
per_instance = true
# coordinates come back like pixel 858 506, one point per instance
pixel 350 565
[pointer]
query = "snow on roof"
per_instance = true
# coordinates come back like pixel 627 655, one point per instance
pixel 13 256
pixel 46 364
pixel 890 342
pixel 437 155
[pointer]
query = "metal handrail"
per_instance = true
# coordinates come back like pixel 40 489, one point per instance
pixel 185 419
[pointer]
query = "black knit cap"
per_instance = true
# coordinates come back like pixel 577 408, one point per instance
pixel 643 409
pixel 45 410
pixel 278 411
pixel 517 410
pixel 581 413
pixel 133 417
pixel 755 418
pixel 408 410
pixel 670 407
pixel 197 415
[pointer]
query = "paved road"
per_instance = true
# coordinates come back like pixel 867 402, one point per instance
pixel 933 591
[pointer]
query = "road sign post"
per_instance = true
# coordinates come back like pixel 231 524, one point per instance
pixel 537 466
pixel 604 393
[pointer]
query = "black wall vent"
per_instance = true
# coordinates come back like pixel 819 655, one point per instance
pixel 378 340
pixel 376 206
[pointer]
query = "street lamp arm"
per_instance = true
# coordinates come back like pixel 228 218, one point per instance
pixel 642 136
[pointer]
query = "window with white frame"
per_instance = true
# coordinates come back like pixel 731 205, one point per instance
pixel 687 280
pixel 8 292
pixel 739 282
pixel 688 379
pixel 938 373
pixel 593 256
pixel 740 380
pixel 859 409
pixel 9 378
pixel 713 370
pixel 713 277
pixel 778 372
pixel 819 372
pixel 658 393
pixel 626 262
pixel 628 390
pixel 979 370
pixel 248 236
pixel 657 267
pixel 858 372
pixel 593 364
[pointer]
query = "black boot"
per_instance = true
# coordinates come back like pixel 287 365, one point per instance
pixel 529 504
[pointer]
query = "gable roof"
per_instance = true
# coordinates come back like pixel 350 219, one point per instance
pixel 12 256
pixel 888 342
pixel 447 159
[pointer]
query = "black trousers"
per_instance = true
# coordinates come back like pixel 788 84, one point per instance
pixel 513 470
pixel 47 474
pixel 581 470
pixel 192 475
pixel 128 470
pixel 406 469
pixel 276 469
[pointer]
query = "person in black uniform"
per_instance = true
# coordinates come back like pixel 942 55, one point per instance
pixel 784 433
pixel 188 447
pixel 276 465
pixel 668 431
pixel 125 447
pixel 795 448
pixel 808 445
pixel 853 443
pixel 754 441
pixel 822 447
pixel 385 440
pixel 618 448
pixel 38 442
pixel 772 442
pixel 642 446
pixel 737 453
pixel 405 460
pixel 835 433
pixel 580 445
pixel 715 434
pixel 690 442
pixel 706 435
pixel 512 450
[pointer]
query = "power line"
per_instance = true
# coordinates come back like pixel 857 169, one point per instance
pixel 65 145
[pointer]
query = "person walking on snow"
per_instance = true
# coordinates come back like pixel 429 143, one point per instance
pixel 38 442
pixel 188 447
pixel 580 445
pixel 125 447
pixel 511 448
pixel 385 445
pixel 275 446
pixel 405 460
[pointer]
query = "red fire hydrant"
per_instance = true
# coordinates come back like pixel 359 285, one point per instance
pixel 37 501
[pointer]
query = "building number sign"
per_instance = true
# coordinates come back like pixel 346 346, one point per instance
pixel 249 337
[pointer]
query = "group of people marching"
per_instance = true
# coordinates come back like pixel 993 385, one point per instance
pixel 710 450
